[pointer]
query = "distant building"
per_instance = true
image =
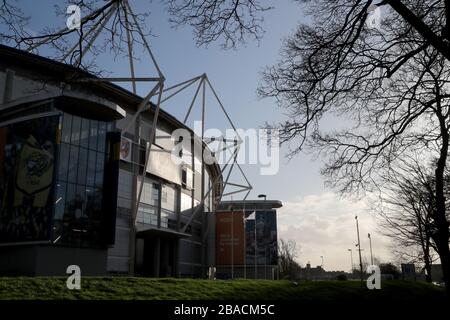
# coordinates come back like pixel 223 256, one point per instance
pixel 318 273
pixel 246 239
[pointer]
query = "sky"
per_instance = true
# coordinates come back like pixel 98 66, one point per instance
pixel 320 221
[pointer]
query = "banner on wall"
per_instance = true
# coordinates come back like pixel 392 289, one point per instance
pixel 230 238
pixel 27 164
pixel 125 149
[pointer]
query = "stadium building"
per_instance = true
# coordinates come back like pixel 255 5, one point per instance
pixel 70 167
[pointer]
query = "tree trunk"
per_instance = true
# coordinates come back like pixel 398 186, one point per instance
pixel 444 254
pixel 427 266
pixel 441 236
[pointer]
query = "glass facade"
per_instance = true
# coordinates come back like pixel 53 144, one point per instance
pixel 158 199
pixel 79 184
pixel 261 238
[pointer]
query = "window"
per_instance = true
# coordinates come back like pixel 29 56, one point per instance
pixel 168 198
pixel 186 178
pixel 147 215
pixel 186 202
pixel 151 207
pixel 145 131
pixel 80 181
pixel 183 178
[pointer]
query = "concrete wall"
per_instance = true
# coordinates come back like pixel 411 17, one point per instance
pixel 48 260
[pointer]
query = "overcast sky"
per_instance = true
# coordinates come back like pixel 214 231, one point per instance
pixel 319 220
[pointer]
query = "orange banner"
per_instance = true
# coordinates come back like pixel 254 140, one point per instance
pixel 230 238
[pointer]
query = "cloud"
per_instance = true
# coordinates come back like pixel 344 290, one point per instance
pixel 324 225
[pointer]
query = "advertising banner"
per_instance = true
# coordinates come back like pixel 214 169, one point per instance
pixel 27 164
pixel 125 149
pixel 230 242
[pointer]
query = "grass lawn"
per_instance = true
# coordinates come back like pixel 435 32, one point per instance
pixel 167 289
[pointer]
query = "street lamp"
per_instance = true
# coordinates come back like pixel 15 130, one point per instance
pixel 351 260
pixel 359 249
pixel 265 253
pixel 370 243
pixel 321 257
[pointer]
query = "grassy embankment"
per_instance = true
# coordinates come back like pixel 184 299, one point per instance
pixel 166 289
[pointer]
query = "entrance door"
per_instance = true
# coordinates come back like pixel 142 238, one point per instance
pixel 158 257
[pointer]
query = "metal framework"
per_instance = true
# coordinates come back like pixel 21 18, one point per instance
pixel 158 90
pixel 202 83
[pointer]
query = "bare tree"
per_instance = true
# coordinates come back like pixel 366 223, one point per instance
pixel 406 207
pixel 387 86
pixel 116 24
pixel 231 21
pixel 13 21
pixel 287 252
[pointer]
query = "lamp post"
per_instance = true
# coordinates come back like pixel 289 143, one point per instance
pixel 321 257
pixel 370 243
pixel 256 247
pixel 265 247
pixel 351 260
pixel 359 249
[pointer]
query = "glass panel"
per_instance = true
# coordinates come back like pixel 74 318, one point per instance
pixel 76 128
pixel 60 200
pixel 164 219
pixel 145 131
pixel 189 178
pixel 186 202
pixel 96 204
pixel 63 161
pixel 81 201
pixel 101 136
pixel 82 165
pixel 147 215
pixel 93 135
pixel 155 194
pixel 84 138
pixel 73 164
pixel 66 128
pixel 99 169
pixel 150 193
pixel 90 202
pixel 70 202
pixel 183 178
pixel 91 168
pixel 139 217
pixel 168 198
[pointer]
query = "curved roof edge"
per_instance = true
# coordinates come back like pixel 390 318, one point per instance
pixel 71 75
pixel 228 205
